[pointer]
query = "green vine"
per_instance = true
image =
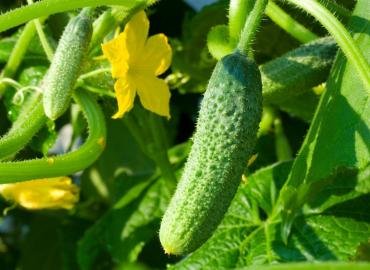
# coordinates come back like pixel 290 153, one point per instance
pixel 336 8
pixel 69 163
pixel 48 49
pixel 48 7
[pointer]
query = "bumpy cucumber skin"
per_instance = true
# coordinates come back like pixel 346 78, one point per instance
pixel 298 70
pixel 224 140
pixel 65 68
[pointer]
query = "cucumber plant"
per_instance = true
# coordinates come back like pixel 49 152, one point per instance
pixel 272 161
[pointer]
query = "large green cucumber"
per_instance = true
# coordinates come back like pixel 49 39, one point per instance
pixel 224 140
pixel 66 65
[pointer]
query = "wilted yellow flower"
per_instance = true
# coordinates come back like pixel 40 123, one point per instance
pixel 58 192
pixel 136 62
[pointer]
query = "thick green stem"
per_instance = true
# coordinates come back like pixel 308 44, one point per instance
pixel 286 22
pixel 17 53
pixel 336 8
pixel 160 153
pixel 238 12
pixel 102 26
pixel 340 34
pixel 48 7
pixel 251 25
pixel 69 163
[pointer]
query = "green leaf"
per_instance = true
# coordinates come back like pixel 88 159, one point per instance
pixel 123 231
pixel 262 189
pixel 245 239
pixel 302 106
pixel 339 135
pixel 106 179
pixel 313 266
pixel 134 219
pixel 325 237
pixel 346 185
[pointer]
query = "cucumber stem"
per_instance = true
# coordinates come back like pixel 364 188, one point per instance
pixel 109 20
pixel 340 34
pixel 288 24
pixel 92 74
pixel 160 153
pixel 48 49
pixel 17 54
pixel 336 8
pixel 251 25
pixel 96 90
pixel 238 12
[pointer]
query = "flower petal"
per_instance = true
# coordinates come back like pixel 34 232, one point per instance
pixel 54 193
pixel 116 52
pixel 157 55
pixel 136 31
pixel 125 94
pixel 154 94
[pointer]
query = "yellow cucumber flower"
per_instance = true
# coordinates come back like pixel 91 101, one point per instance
pixel 52 193
pixel 136 62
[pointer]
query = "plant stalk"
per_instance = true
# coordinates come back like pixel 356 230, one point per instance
pixel 251 25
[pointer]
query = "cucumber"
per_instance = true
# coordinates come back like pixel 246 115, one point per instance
pixel 223 142
pixel 65 68
pixel 298 70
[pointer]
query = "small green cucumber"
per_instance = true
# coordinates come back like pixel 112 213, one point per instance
pixel 298 70
pixel 64 70
pixel 224 140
